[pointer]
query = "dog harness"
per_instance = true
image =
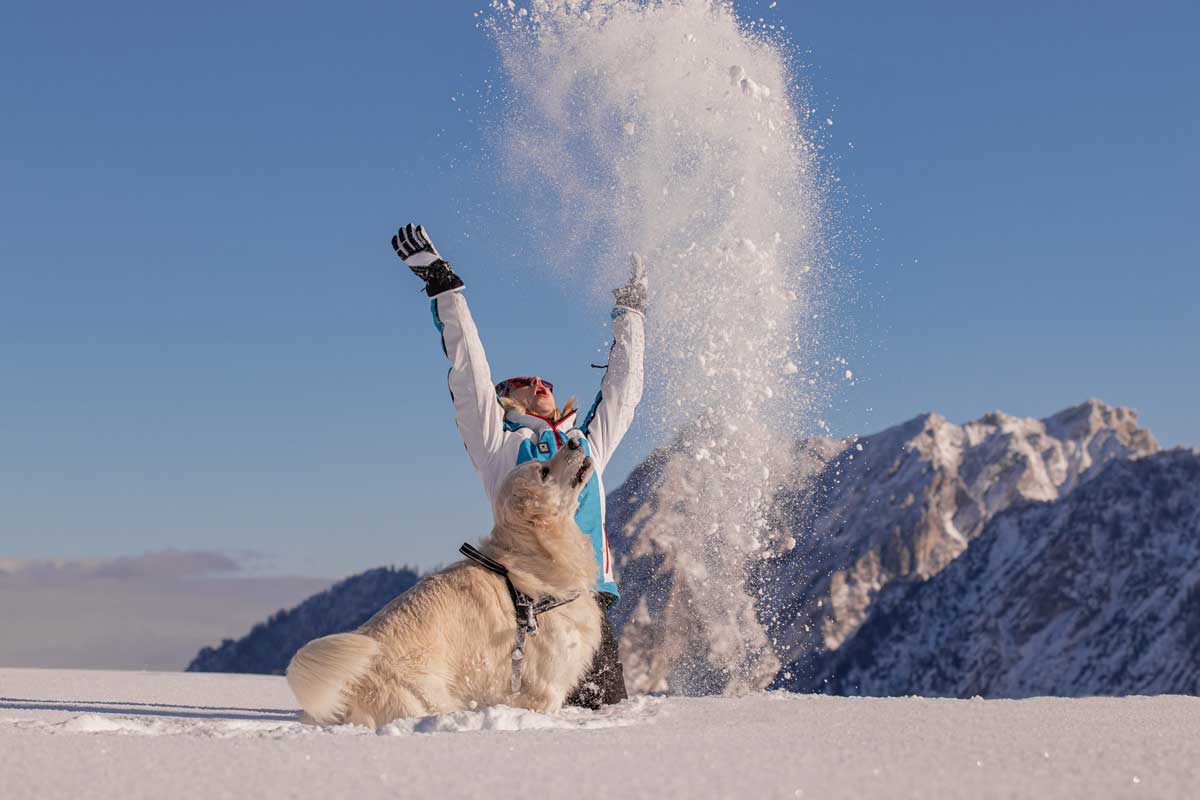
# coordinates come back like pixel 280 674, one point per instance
pixel 527 609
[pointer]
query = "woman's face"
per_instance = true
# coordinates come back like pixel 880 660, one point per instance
pixel 536 397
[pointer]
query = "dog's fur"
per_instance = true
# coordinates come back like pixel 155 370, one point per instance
pixel 446 644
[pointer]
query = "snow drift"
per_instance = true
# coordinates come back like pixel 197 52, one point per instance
pixel 132 735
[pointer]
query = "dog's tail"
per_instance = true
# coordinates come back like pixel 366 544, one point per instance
pixel 322 669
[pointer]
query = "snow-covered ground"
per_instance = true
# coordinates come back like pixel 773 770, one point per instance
pixel 69 733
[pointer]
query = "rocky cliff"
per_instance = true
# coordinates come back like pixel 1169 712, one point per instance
pixel 1094 593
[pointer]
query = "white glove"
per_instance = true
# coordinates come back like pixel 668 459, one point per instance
pixel 633 294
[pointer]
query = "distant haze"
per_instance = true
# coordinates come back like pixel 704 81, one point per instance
pixel 147 612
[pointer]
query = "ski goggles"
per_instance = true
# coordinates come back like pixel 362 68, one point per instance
pixel 504 387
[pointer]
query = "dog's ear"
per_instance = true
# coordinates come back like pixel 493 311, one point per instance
pixel 519 502
pixel 524 489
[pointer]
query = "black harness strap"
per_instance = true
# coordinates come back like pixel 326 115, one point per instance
pixel 526 608
pixel 472 553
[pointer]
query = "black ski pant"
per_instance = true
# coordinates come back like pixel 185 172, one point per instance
pixel 604 683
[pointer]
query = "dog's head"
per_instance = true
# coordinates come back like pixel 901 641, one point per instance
pixel 535 534
pixel 540 494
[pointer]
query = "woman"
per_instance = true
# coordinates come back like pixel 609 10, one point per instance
pixel 517 420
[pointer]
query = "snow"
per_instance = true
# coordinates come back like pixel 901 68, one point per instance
pixel 504 718
pixel 129 735
pixel 684 131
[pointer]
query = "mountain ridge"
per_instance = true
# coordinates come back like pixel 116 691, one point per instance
pixel 1025 610
pixel 863 530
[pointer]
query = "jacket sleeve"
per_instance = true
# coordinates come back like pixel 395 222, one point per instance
pixel 477 411
pixel 621 388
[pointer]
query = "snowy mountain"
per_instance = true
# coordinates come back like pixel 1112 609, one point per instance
pixel 893 509
pixel 1096 593
pixel 857 522
pixel 269 647
pixel 928 558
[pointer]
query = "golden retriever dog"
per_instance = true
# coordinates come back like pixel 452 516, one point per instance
pixel 446 644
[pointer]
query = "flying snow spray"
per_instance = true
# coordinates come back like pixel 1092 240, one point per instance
pixel 669 129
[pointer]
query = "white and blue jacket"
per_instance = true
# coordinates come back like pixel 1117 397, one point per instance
pixel 497 440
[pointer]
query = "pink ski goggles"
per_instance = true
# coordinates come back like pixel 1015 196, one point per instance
pixel 506 386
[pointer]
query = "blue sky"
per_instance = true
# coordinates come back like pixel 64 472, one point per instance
pixel 207 344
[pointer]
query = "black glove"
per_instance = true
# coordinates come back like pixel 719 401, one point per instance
pixel 413 246
pixel 633 294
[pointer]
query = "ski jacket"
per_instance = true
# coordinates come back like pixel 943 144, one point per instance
pixel 497 440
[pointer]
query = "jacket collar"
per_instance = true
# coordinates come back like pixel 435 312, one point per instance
pixel 523 419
